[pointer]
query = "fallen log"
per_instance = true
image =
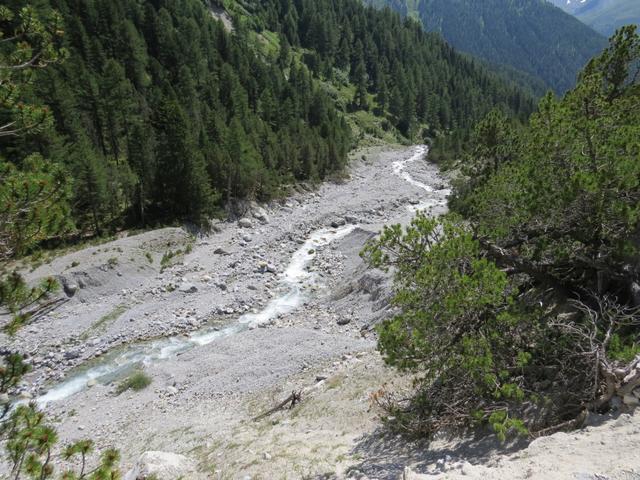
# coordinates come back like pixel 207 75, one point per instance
pixel 291 401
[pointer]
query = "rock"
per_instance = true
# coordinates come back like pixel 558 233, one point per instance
pixel 409 474
pixel 271 268
pixel 247 238
pixel 161 466
pixel 186 287
pixel 635 294
pixel 261 215
pixel 172 390
pixel 343 321
pixel 466 469
pixel 72 355
pixel 25 396
pixel 92 382
pixel 320 378
pixel 632 374
pixel 338 222
pixel 351 219
pixel 245 223
pixel 221 286
pixel 266 456
pixel 220 251
pixel 206 278
pixel 69 287
pixel 4 398
pixel 631 400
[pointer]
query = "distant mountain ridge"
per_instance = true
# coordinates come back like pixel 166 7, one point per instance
pixel 529 35
pixel 605 16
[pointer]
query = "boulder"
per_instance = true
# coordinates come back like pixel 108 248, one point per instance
pixel 260 214
pixel 171 390
pixel 69 286
pixel 72 354
pixel 338 222
pixel 161 466
pixel 245 223
pixel 187 287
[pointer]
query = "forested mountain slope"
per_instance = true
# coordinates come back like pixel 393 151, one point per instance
pixel 160 113
pixel 528 35
pixel 605 16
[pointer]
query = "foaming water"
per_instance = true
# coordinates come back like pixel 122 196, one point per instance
pixel 295 285
pixel 400 165
pixel 399 169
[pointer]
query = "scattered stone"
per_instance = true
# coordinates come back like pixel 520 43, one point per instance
pixel 261 215
pixel 466 469
pixel 161 466
pixel 338 222
pixel 245 223
pixel 69 288
pixel 72 355
pixel 171 391
pixel 221 251
pixel 321 378
pixel 344 321
pixel 187 287
pixel 247 238
pixel 409 474
pixel 92 382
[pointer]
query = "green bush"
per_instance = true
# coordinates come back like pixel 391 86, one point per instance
pixel 522 316
pixel 136 381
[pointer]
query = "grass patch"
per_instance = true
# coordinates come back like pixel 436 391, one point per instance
pixel 169 255
pixel 112 316
pixel 136 381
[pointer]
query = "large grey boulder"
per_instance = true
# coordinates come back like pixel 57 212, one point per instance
pixel 260 214
pixel 161 466
pixel 245 223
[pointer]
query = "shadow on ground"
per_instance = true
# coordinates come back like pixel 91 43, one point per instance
pixel 386 455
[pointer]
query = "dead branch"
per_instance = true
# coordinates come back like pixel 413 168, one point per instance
pixel 289 402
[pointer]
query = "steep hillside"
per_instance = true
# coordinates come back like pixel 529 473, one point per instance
pixel 527 35
pixel 605 16
pixel 163 113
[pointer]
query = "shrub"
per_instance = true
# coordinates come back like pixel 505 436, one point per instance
pixel 136 381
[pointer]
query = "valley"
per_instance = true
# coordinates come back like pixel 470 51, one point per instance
pixel 279 300
pixel 312 239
